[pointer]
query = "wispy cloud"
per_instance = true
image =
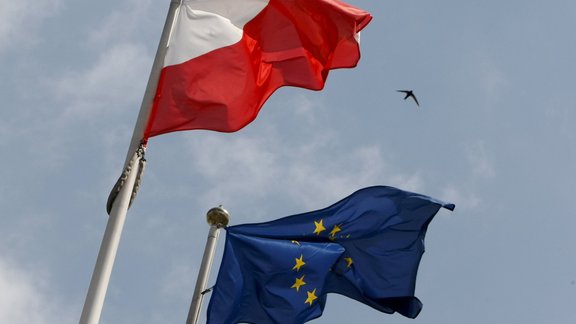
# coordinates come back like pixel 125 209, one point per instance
pixel 468 193
pixel 303 107
pixel 480 160
pixel 310 174
pixel 115 81
pixel 19 19
pixel 25 298
pixel 180 275
pixel 492 78
pixel 465 199
pixel 123 25
pixel 90 104
pixel 72 103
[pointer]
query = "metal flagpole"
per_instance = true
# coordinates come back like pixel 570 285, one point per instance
pixel 120 203
pixel 217 217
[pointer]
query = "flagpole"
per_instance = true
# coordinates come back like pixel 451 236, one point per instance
pixel 217 218
pixel 117 214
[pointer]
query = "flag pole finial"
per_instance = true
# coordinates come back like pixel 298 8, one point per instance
pixel 218 217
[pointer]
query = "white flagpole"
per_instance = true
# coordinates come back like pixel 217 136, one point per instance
pixel 217 218
pixel 109 246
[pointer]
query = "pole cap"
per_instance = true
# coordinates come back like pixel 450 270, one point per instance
pixel 218 216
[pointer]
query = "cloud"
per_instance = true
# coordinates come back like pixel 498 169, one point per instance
pixel 464 199
pixel 18 19
pixel 468 193
pixel 115 81
pixel 480 161
pixel 180 276
pixel 304 106
pixel 493 81
pixel 25 298
pixel 97 103
pixel 123 24
pixel 313 174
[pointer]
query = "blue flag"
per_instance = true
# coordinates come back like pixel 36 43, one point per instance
pixel 367 246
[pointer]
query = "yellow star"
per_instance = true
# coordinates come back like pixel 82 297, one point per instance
pixel 335 230
pixel 299 263
pixel 311 297
pixel 319 227
pixel 298 283
pixel 349 261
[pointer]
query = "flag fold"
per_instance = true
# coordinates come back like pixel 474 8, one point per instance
pixel 367 247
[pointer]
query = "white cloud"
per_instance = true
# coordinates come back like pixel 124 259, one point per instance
pixel 19 18
pixel 80 104
pixel 116 80
pixel 179 282
pixel 480 160
pixel 122 25
pixel 464 199
pixel 493 80
pixel 311 174
pixel 25 299
pixel 466 194
pixel 303 106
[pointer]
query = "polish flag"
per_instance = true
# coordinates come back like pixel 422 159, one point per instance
pixel 226 57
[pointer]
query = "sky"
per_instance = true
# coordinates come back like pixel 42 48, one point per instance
pixel 493 134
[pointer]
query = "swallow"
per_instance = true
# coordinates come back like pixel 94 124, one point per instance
pixel 409 94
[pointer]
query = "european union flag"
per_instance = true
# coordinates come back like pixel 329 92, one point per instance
pixel 367 246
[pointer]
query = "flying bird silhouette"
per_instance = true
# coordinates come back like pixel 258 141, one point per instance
pixel 409 94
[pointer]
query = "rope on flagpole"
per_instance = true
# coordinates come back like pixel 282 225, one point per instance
pixel 138 156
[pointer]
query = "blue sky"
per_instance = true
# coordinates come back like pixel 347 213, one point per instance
pixel 494 134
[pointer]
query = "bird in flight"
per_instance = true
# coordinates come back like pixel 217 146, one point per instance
pixel 409 94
